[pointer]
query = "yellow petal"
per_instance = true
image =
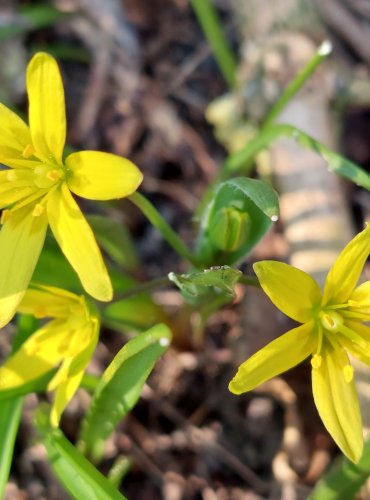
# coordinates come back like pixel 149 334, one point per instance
pixel 47 301
pixel 277 357
pixel 68 378
pixel 101 176
pixel 21 241
pixel 63 394
pixel 337 402
pixel 357 349
pixel 78 243
pixel 46 107
pixel 291 290
pixel 39 354
pixel 14 138
pixel 343 276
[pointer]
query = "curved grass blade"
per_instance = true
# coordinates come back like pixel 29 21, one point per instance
pixel 79 477
pixel 238 162
pixel 120 387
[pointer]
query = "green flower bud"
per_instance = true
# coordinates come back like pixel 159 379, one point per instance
pixel 229 229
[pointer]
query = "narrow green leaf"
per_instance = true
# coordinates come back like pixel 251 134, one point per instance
pixel 79 477
pixel 210 23
pixel 239 161
pixel 200 288
pixel 10 415
pixel 344 478
pixel 120 387
pixel 258 206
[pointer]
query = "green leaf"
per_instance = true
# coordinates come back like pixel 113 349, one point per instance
pixel 79 477
pixel 134 313
pixel 115 239
pixel 199 288
pixel 120 387
pixel 254 198
pixel 344 478
pixel 10 415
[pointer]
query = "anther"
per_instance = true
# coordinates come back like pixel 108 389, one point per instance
pixel 348 373
pixel 5 216
pixel 38 210
pixel 331 321
pixel 28 151
pixel 316 361
pixel 54 175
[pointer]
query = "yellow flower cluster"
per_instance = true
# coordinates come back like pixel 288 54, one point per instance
pixel 35 192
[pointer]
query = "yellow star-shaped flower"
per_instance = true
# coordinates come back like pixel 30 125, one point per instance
pixel 67 341
pixel 332 326
pixel 36 190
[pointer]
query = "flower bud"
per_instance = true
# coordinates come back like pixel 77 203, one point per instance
pixel 229 229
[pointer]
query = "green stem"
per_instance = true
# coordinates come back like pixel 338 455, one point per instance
pixel 159 223
pixel 143 287
pixel 211 26
pixel 249 281
pixel 295 85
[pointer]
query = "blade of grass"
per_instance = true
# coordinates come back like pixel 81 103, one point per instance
pixel 297 83
pixel 238 162
pixel 211 26
pixel 79 477
pixel 10 415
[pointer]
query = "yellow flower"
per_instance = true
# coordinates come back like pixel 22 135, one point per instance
pixel 332 326
pixel 36 190
pixel 67 342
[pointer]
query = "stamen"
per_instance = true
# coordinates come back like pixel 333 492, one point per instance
pixel 316 361
pixel 5 216
pixel 28 151
pixel 354 337
pixel 348 372
pixel 54 175
pixel 332 321
pixel 38 210
pixel 11 175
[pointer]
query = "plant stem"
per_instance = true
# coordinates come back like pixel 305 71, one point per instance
pixel 143 287
pixel 249 281
pixel 211 26
pixel 159 223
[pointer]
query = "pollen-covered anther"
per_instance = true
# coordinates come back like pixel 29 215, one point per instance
pixel 54 175
pixel 331 321
pixel 316 361
pixel 38 210
pixel 28 151
pixel 5 216
pixel 348 372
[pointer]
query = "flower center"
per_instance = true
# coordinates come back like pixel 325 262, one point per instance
pixel 45 176
pixel 331 321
